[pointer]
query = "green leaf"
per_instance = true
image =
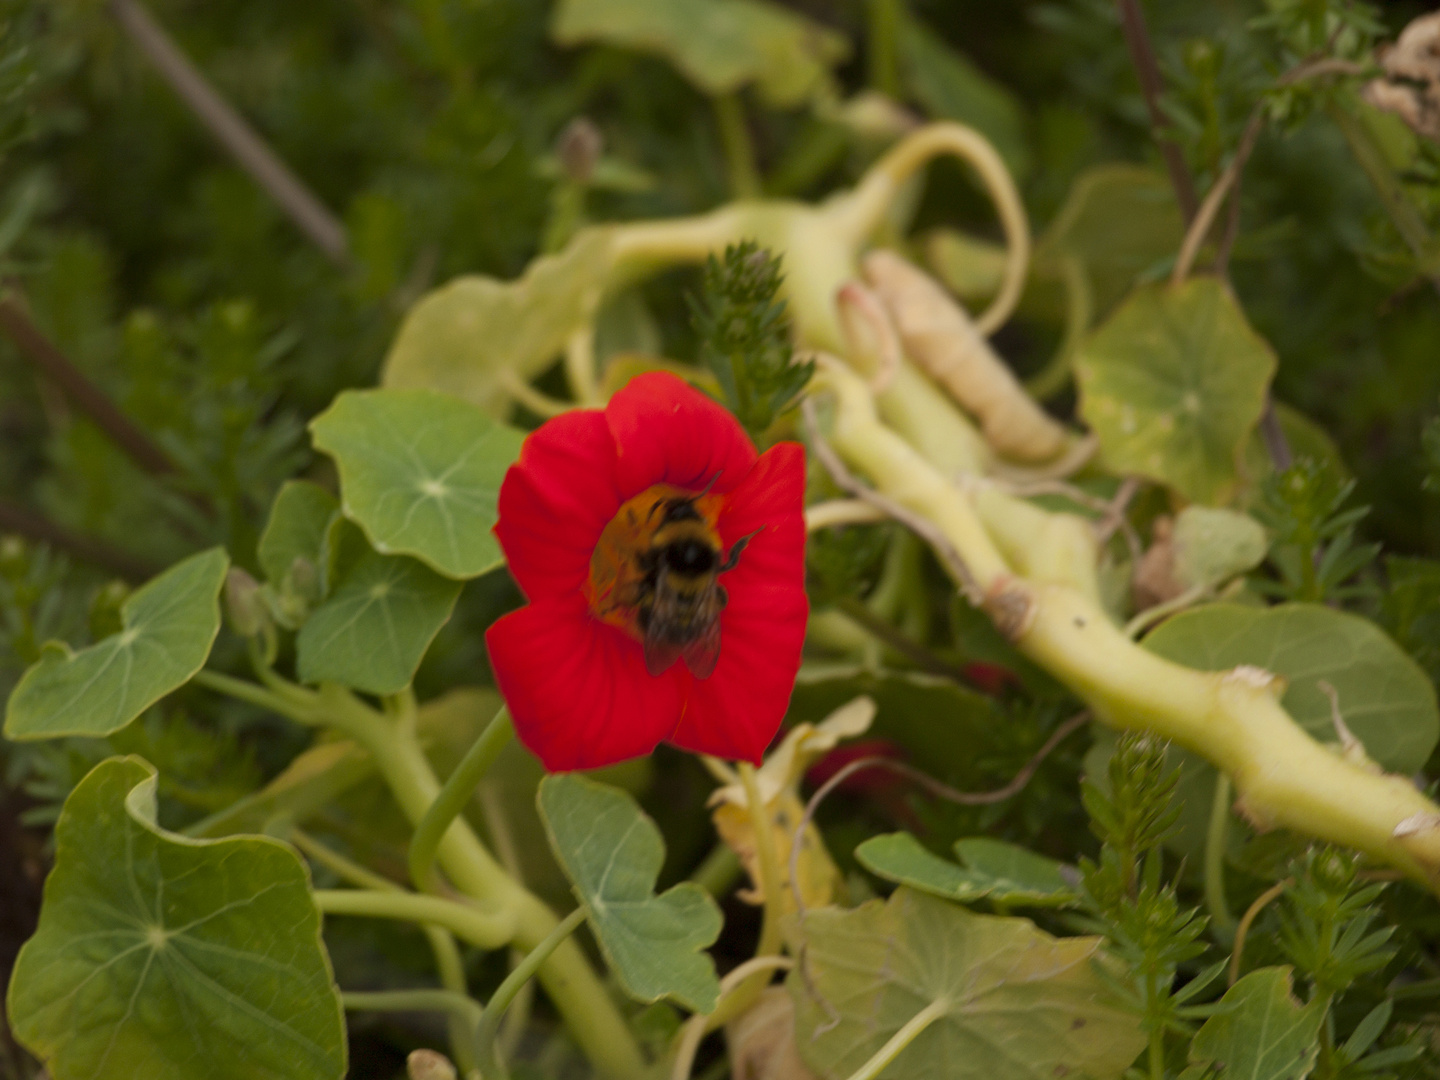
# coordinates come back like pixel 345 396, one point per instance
pixel 1019 875
pixel 1263 1033
pixel 170 624
pixel 612 854
pixel 952 88
pixel 420 472
pixel 1019 1004
pixel 1385 698
pixel 464 337
pixel 161 956
pixel 1173 384
pixel 719 45
pixel 1213 545
pixel 296 529
pixel 1120 221
pixel 994 870
pixel 373 630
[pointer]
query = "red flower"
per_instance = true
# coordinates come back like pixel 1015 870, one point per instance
pixel 578 513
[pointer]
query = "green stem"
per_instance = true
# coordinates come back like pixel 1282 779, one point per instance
pixel 244 690
pixel 898 640
pixel 448 963
pixel 463 1010
pixel 487 929
pixel 1079 312
pixel 490 1065
pixel 581 999
pixel 884 46
pixel 1407 219
pixel 900 1040
pixel 739 147
pixel 717 874
pixel 1215 838
pixel 567 977
pixel 451 800
pixel 1157 1031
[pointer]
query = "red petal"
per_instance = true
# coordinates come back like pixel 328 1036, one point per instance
pixel 737 710
pixel 668 432
pixel 577 688
pixel 555 501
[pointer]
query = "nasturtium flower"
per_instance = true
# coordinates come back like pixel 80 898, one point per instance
pixel 621 526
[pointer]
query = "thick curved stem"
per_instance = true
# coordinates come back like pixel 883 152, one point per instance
pixel 567 977
pixel 1233 719
pixel 859 214
pixel 452 798
pixel 487 929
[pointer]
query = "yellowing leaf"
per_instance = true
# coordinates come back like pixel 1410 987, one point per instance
pixel 464 337
pixel 762 1040
pixel 784 766
pixel 719 45
pixel 1017 1004
pixel 1173 384
pixel 778 783
pixel 820 880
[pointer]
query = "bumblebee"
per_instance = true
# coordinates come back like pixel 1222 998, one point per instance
pixel 679 595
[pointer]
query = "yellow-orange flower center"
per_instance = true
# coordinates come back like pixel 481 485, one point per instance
pixel 621 577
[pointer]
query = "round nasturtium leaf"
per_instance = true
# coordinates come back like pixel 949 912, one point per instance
pixel 373 630
pixel 161 956
pixel 168 627
pixel 1119 220
pixel 1173 383
pixel 1018 1004
pixel 420 472
pixel 1385 698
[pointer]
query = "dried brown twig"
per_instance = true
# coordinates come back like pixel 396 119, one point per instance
pixel 230 129
pixel 1147 69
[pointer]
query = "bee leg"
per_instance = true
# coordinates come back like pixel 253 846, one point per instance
pixel 721 596
pixel 735 551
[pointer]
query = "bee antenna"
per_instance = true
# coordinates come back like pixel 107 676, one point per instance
pixel 710 485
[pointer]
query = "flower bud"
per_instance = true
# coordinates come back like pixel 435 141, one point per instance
pixel 243 606
pixel 13 557
pixel 429 1065
pixel 1334 870
pixel 579 148
pixel 302 581
pixel 105 618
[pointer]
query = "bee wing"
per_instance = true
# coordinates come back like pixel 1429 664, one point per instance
pixel 702 654
pixel 660 655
